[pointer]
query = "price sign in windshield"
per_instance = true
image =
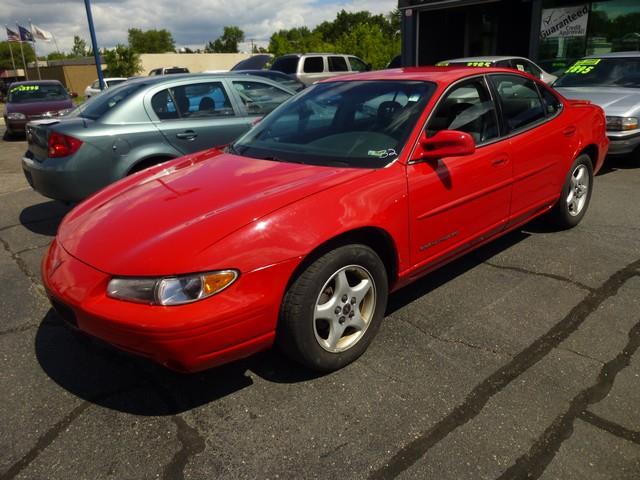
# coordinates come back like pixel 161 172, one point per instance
pixel 583 66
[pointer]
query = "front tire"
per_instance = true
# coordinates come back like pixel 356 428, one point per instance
pixel 576 194
pixel 334 308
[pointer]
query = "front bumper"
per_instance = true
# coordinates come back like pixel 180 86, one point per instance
pixel 622 143
pixel 234 324
pixel 15 126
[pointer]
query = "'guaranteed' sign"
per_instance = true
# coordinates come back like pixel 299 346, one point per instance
pixel 564 22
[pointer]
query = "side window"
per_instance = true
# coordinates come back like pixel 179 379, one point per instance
pixel 467 108
pixel 552 104
pixel 200 100
pixel 313 65
pixel 338 64
pixel 521 104
pixel 503 64
pixel 259 98
pixel 358 65
pixel 531 69
pixel 164 106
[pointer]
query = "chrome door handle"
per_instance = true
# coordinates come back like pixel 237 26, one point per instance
pixel 188 135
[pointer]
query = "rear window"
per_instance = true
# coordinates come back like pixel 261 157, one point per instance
pixel 169 71
pixel 113 83
pixel 313 65
pixel 285 64
pixel 37 93
pixel 97 106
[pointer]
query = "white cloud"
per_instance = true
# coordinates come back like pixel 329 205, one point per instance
pixel 192 24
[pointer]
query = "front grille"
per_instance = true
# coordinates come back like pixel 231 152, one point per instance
pixel 64 312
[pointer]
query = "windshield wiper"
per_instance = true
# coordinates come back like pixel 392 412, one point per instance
pixel 278 159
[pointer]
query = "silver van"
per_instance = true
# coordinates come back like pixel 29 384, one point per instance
pixel 311 67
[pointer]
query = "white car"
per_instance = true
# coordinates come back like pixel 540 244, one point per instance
pixel 517 63
pixel 94 88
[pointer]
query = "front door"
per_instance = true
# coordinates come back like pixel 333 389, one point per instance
pixel 457 202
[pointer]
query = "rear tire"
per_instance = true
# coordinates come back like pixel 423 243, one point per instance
pixel 576 194
pixel 334 309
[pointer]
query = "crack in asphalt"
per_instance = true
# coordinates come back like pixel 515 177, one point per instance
pixel 455 341
pixel 609 426
pixel 54 432
pixel 22 266
pixel 478 398
pixel 552 276
pixel 583 355
pixel 532 464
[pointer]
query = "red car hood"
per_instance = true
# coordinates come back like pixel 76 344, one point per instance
pixel 159 221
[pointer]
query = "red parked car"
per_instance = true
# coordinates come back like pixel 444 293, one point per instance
pixel 297 232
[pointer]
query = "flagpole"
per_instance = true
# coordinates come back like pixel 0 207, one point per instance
pixel 13 62
pixel 24 63
pixel 34 50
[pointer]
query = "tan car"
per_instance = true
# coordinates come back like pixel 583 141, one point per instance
pixel 309 68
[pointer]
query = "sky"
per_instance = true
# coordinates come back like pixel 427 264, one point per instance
pixel 192 23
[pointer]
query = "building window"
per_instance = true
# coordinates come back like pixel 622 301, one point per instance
pixel 614 26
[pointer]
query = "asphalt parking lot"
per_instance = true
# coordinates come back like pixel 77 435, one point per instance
pixel 517 361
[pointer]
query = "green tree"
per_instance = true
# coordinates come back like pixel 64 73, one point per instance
pixel 151 41
pixel 370 43
pixel 79 48
pixel 56 56
pixel 122 61
pixel 5 54
pixel 227 42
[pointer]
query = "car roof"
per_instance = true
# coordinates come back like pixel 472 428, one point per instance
pixel 161 79
pixel 615 55
pixel 430 74
pixel 488 58
pixel 37 82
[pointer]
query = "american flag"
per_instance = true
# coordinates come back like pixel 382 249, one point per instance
pixel 12 36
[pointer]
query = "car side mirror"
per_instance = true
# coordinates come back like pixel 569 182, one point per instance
pixel 445 143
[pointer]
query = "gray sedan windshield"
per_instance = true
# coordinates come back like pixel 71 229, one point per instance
pixel 351 123
pixel 602 72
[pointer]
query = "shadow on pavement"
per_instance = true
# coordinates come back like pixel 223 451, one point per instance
pixel 620 162
pixel 101 374
pixel 44 218
pixel 439 277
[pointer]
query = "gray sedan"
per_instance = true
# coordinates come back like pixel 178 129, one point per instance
pixel 140 123
pixel 611 81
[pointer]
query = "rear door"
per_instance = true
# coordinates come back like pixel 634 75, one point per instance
pixel 536 143
pixel 196 115
pixel 313 69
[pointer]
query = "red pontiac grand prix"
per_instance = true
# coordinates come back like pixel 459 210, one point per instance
pixel 297 232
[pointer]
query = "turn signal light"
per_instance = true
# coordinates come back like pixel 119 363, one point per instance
pixel 61 145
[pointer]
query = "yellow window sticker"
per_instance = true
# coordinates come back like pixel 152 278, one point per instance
pixel 520 67
pixel 442 64
pixel 478 64
pixel 583 66
pixel 25 88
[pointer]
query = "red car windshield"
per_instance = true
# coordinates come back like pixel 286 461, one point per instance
pixel 37 93
pixel 351 123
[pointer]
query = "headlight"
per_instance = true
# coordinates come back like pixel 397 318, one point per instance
pixel 171 290
pixel 620 124
pixel 16 116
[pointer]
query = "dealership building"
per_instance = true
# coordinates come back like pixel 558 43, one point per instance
pixel 552 32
